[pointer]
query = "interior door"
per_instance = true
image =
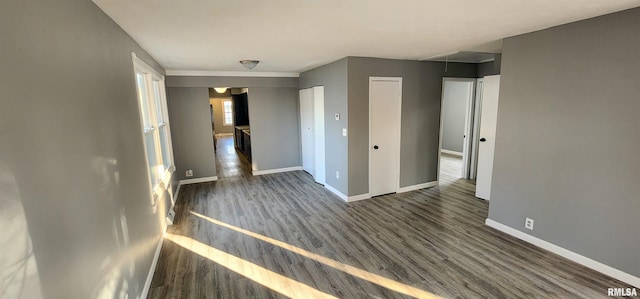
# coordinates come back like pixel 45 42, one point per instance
pixel 476 130
pixel 468 130
pixel 488 121
pixel 318 121
pixel 385 102
pixel 307 131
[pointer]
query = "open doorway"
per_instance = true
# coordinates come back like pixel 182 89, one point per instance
pixel 478 98
pixel 457 129
pixel 231 131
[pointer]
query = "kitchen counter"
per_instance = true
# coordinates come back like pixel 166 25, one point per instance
pixel 243 140
pixel 238 136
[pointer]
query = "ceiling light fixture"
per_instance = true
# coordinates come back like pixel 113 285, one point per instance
pixel 249 64
pixel 220 89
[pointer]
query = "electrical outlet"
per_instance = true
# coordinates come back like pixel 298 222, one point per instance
pixel 528 223
pixel 337 174
pixel 337 116
pixel 344 132
pixel 189 173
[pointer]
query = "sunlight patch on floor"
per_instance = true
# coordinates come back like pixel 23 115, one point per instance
pixel 357 272
pixel 279 283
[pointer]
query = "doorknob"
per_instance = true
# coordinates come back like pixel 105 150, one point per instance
pixel 375 147
pixel 483 139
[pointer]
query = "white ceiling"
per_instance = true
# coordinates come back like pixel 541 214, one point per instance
pixel 297 35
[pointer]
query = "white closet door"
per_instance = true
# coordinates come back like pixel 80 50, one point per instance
pixel 385 102
pixel 307 131
pixel 318 120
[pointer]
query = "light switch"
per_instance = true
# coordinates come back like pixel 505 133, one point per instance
pixel 344 132
pixel 337 116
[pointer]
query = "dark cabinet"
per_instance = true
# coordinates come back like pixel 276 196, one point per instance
pixel 247 143
pixel 242 132
pixel 241 109
pixel 239 137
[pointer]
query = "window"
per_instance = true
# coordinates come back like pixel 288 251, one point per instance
pixel 228 113
pixel 155 125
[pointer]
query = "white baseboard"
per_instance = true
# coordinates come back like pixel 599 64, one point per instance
pixel 198 180
pixel 358 197
pixel 418 186
pixel 152 270
pixel 580 259
pixel 277 170
pixel 336 192
pixel 347 198
pixel 444 151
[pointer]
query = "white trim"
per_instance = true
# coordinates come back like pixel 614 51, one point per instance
pixel 277 170
pixel 445 58
pixel 152 270
pixel 439 56
pixel 441 133
pixel 347 198
pixel 580 259
pixel 358 197
pixel 475 135
pixel 445 151
pixel 397 149
pixel 336 192
pixel 468 129
pixel 140 64
pixel 487 60
pixel 230 74
pixel 154 82
pixel 418 186
pixel 199 180
pixel 175 196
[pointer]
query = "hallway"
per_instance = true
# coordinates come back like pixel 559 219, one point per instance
pixel 229 163
pixel 451 169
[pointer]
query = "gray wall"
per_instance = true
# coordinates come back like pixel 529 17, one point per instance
pixel 567 138
pixel 72 153
pixel 275 132
pixel 218 116
pixel 333 77
pixel 421 96
pixel 276 116
pixel 191 133
pixel 454 100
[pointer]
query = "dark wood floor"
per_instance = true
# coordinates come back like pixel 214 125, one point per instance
pixel 246 237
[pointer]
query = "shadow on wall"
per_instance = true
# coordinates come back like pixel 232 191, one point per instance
pixel 19 276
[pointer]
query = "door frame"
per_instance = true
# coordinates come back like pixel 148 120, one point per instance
pixel 473 167
pixel 468 130
pixel 397 147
